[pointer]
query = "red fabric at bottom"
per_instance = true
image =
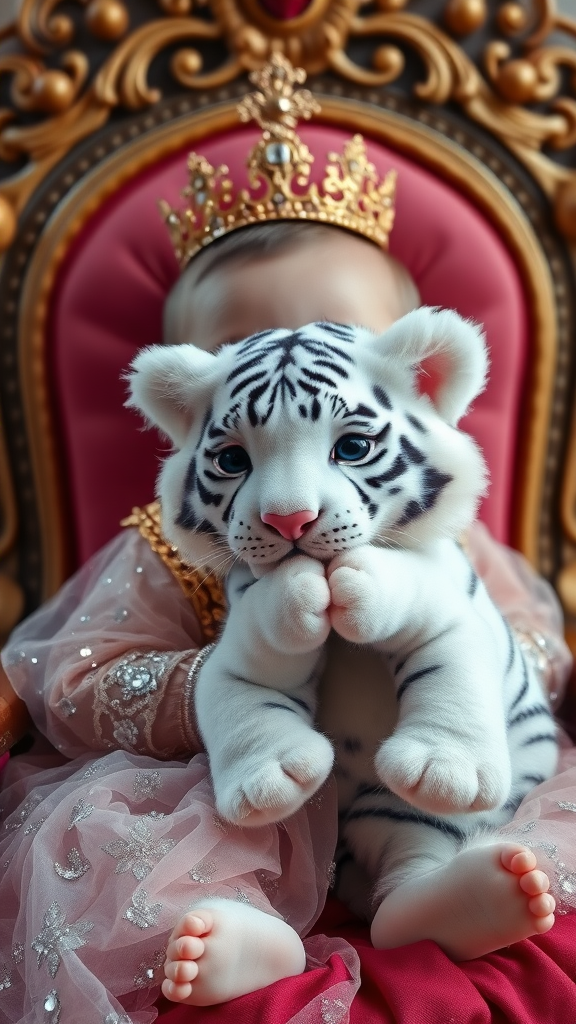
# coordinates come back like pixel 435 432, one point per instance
pixel 531 982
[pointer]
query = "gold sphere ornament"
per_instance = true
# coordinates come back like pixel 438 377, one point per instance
pixel 107 19
pixel 53 92
pixel 511 18
pixel 517 81
pixel 389 59
pixel 185 64
pixel 565 209
pixel 7 224
pixel 464 16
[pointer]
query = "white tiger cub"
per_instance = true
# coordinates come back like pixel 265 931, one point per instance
pixel 309 467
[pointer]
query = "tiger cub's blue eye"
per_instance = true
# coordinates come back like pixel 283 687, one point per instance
pixel 352 448
pixel 232 461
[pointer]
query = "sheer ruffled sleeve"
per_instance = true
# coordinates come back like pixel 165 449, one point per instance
pixel 109 661
pixel 529 604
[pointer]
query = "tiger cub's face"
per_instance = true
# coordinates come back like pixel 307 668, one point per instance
pixel 315 440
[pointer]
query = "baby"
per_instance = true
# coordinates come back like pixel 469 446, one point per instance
pixel 489 895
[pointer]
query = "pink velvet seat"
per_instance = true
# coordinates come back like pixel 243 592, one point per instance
pixel 108 303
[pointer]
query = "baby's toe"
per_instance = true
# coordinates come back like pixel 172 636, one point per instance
pixel 181 971
pixel 518 860
pixel 176 993
pixel 542 905
pixel 194 924
pixel 534 883
pixel 187 947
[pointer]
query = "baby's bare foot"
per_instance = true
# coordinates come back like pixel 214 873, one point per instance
pixel 226 949
pixel 486 898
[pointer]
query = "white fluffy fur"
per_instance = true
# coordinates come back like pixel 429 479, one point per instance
pixel 398 586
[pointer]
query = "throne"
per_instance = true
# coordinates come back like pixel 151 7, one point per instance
pixel 473 104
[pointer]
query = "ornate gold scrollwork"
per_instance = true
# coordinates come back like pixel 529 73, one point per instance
pixel 516 74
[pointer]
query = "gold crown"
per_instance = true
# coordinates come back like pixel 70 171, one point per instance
pixel 352 196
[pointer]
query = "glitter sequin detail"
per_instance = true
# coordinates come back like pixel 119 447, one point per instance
pixel 80 811
pixel 333 1011
pixel 203 871
pixel 268 885
pixel 67 707
pixel 76 866
pixel 145 977
pixel 566 805
pixel 146 784
pixel 142 914
pixel 5 977
pixel 140 852
pixel 24 813
pixel 57 938
pixel 34 826
pixel 126 733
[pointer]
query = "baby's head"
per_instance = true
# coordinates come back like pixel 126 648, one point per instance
pixel 285 274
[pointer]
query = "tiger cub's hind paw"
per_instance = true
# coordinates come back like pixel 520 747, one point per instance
pixel 441 779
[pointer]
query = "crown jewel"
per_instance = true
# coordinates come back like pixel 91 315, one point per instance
pixel 351 196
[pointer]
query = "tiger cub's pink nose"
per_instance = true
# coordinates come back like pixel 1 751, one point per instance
pixel 290 527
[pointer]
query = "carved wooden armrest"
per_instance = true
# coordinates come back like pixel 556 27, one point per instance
pixel 14 717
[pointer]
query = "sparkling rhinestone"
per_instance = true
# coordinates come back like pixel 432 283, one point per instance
pixel 107 580
pixel 354 165
pixel 150 974
pixel 50 1002
pixel 140 680
pixel 139 568
pixel 84 618
pixel 172 218
pixel 34 661
pixel 277 153
pixel 284 104
pixel 200 198
pixel 85 652
pixel 120 614
pixel 199 182
pixel 278 199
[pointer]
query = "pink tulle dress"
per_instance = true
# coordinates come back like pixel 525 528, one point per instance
pixel 109 833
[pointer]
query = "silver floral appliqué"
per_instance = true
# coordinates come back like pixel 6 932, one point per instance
pixel 58 937
pixel 140 852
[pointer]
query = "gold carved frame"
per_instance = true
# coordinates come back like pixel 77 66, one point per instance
pixel 71 154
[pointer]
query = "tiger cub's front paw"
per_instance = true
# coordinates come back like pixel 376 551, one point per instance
pixel 276 784
pixel 301 624
pixel 442 778
pixel 355 608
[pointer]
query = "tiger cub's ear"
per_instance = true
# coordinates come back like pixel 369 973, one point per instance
pixel 168 385
pixel 449 352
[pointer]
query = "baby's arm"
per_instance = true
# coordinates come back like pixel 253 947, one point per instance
pixel 107 663
pixel 256 694
pixel 448 647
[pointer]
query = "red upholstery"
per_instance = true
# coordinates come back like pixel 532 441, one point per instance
pixel 109 297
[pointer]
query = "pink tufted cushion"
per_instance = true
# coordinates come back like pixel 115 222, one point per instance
pixel 108 303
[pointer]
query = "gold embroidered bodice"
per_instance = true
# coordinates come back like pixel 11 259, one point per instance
pixel 203 590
